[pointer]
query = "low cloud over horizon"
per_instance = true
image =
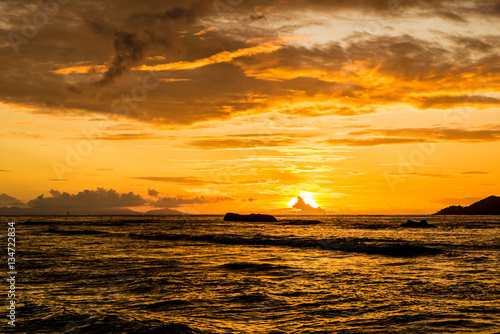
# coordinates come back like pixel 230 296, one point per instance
pixel 99 201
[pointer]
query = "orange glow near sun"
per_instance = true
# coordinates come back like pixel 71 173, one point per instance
pixel 307 197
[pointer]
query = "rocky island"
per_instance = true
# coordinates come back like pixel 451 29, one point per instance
pixel 487 206
pixel 421 224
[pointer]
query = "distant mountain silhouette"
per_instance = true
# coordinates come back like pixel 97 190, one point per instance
pixel 84 211
pixel 165 212
pixel 487 206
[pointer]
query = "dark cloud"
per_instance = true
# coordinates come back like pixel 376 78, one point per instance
pixel 453 10
pixel 130 47
pixel 416 135
pixel 99 201
pixel 474 172
pixel 476 44
pixel 402 56
pixel 374 141
pixel 451 16
pixel 9 201
pixel 153 193
pixel 129 51
pixel 129 34
pixel 99 198
pixel 446 101
pixel 55 193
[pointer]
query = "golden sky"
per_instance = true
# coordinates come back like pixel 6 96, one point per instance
pixel 359 107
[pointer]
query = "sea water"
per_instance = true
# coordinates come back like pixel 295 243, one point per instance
pixel 200 274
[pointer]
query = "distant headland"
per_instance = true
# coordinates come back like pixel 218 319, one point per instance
pixel 487 206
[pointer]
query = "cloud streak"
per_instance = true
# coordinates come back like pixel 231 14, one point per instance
pixel 437 134
pixel 221 57
pixel 175 202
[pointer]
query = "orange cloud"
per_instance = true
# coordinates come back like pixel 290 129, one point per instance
pixel 186 180
pixel 225 56
pixel 241 143
pixel 221 57
pixel 437 134
pixel 373 141
pixel 82 69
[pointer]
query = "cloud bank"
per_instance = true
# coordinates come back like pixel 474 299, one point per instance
pixel 99 201
pixel 208 68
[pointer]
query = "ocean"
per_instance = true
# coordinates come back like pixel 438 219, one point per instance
pixel 200 274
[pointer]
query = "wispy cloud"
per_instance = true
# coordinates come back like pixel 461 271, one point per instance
pixel 438 134
pixel 174 202
pixel 225 143
pixel 474 172
pixel 373 141
pixel 186 180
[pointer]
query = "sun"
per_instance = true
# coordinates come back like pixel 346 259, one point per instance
pixel 308 198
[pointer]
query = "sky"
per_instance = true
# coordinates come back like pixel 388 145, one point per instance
pixel 356 107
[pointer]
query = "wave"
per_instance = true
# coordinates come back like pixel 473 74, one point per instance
pixel 38 223
pixel 167 304
pixel 250 298
pixel 388 249
pixel 73 232
pixel 253 266
pixel 116 324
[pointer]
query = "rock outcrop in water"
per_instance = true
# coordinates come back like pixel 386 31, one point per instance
pixel 487 206
pixel 234 217
pixel 421 224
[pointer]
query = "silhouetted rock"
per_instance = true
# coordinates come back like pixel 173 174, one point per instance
pixel 234 217
pixel 422 224
pixel 487 206
pixel 302 222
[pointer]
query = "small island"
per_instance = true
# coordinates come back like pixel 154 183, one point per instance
pixel 234 217
pixel 487 206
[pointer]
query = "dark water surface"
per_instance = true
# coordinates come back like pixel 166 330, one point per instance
pixel 350 274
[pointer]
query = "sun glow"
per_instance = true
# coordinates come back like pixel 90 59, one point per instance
pixel 308 198
pixel 292 202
